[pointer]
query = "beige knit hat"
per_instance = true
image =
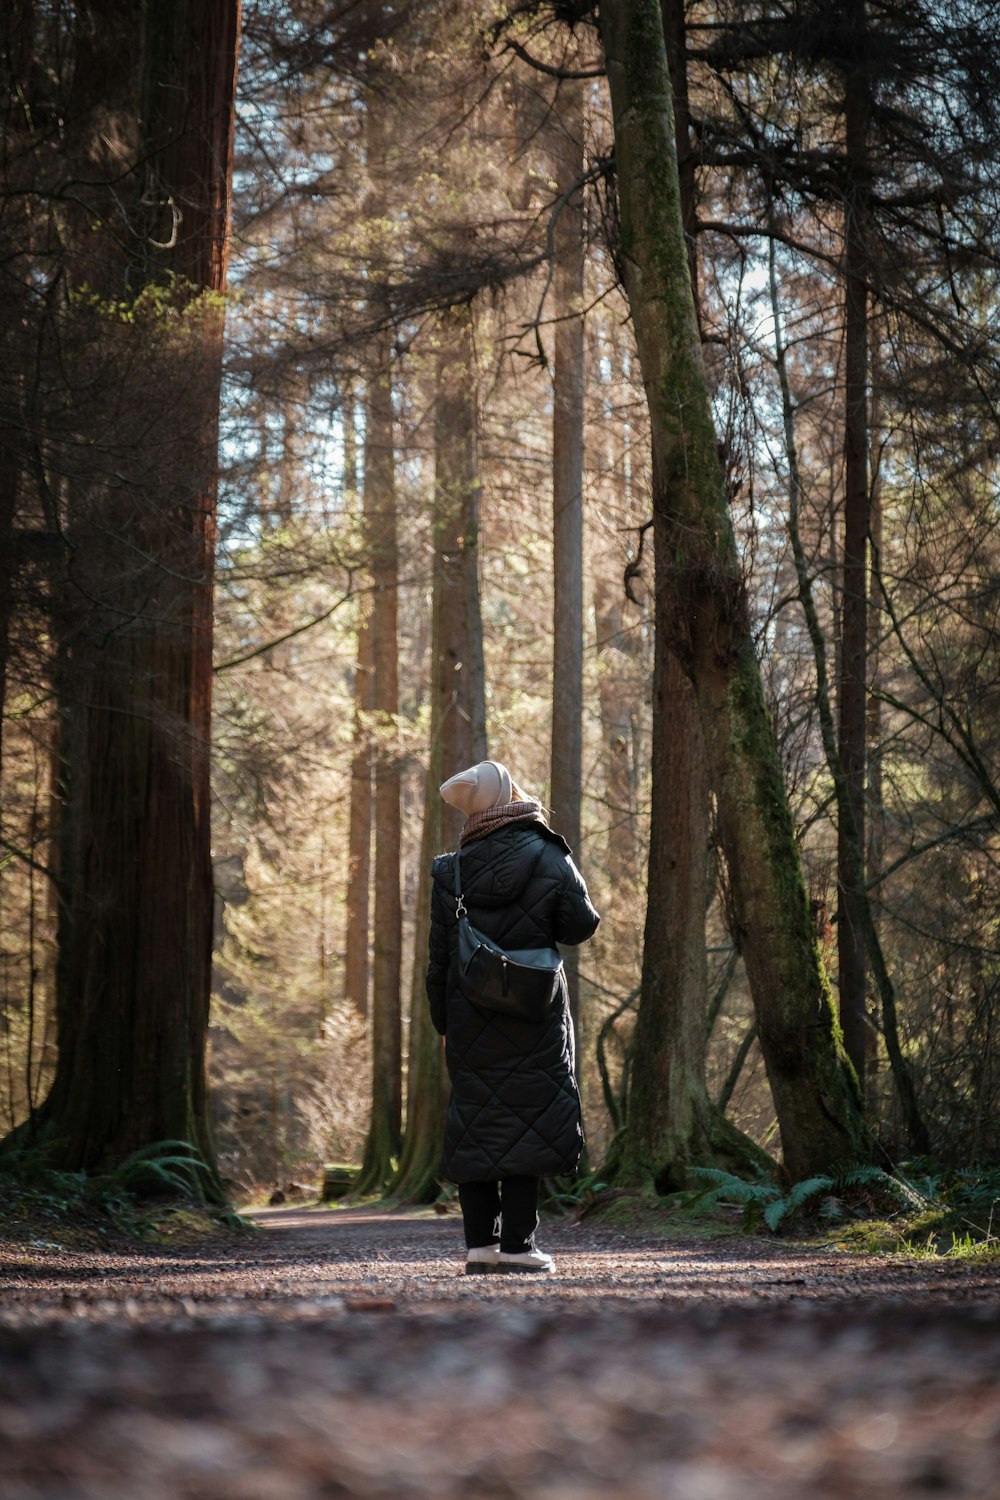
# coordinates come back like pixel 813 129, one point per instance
pixel 480 787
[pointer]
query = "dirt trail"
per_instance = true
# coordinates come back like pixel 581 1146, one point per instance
pixel 343 1353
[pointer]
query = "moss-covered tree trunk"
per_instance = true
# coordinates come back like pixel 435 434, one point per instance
pixel 458 720
pixel 671 1123
pixel 706 618
pixel 137 893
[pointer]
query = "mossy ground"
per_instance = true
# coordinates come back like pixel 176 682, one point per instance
pixel 643 1211
pixel 941 1232
pixel 70 1222
pixel 933 1235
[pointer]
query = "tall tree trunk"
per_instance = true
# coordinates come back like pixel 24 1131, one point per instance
pixel 384 1131
pixel 874 855
pixel 705 615
pixel 854 653
pixel 10 474
pixel 669 1118
pixel 671 1123
pixel 16 162
pixel 382 1146
pixel 136 939
pixel 359 836
pixel 566 767
pixel 458 720
pixel 675 33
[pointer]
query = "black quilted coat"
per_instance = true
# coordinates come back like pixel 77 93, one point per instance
pixel 514 1109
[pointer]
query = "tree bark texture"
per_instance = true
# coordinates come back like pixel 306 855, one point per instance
pixel 566 770
pixel 853 738
pixel 10 473
pixel 136 935
pixel 385 1127
pixel 705 613
pixel 359 836
pixel 32 550
pixel 16 159
pixel 675 35
pixel 671 1123
pixel 457 657
pixel 382 1146
pixel 458 721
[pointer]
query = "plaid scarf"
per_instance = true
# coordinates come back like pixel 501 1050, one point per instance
pixel 479 824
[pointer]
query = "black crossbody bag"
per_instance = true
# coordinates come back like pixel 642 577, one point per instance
pixel 518 982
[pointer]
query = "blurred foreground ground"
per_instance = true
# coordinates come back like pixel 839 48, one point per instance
pixel 342 1353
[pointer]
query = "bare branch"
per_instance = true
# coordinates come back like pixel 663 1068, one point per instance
pixel 553 72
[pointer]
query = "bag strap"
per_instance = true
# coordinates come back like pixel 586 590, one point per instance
pixel 460 907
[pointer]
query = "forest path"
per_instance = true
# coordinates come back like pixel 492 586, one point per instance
pixel 343 1353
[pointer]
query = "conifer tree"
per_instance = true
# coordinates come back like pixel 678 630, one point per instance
pixel 135 876
pixel 457 718
pixel 705 613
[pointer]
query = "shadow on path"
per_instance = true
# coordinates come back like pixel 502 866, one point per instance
pixel 340 1354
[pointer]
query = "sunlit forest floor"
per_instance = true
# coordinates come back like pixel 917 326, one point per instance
pixel 343 1353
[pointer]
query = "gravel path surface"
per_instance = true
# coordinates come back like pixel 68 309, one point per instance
pixel 343 1353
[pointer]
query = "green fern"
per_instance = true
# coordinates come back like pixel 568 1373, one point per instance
pixel 764 1202
pixel 173 1168
pixel 724 1187
pixel 159 1167
pixel 876 1177
pixel 831 1211
pixel 780 1209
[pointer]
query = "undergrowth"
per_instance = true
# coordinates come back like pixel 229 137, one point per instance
pixel 830 1198
pixel 571 1196
pixel 925 1214
pixel 154 1194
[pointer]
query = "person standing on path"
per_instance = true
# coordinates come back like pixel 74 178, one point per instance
pixel 514 1112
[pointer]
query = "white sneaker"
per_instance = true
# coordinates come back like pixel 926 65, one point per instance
pixel 527 1260
pixel 482 1260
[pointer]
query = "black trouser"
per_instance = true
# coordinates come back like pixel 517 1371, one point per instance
pixel 506 1211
